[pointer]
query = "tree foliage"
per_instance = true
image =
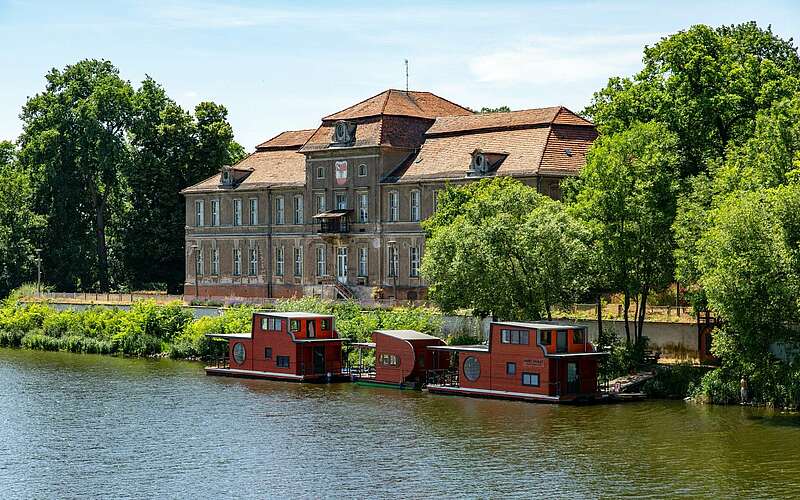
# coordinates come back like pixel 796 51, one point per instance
pixel 499 248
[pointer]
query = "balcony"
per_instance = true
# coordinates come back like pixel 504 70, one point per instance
pixel 334 221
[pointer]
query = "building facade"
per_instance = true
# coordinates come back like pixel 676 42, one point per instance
pixel 335 211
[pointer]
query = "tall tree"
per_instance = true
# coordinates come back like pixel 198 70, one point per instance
pixel 19 226
pixel 516 252
pixel 74 144
pixel 627 195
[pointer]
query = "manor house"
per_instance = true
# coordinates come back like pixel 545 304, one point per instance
pixel 335 211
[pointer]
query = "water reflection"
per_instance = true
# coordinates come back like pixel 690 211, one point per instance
pixel 77 426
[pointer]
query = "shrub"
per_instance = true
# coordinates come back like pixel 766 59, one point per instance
pixel 38 341
pixel 63 323
pixel 463 339
pixel 11 338
pixel 675 381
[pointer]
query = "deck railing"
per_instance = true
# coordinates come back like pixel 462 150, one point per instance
pixel 444 377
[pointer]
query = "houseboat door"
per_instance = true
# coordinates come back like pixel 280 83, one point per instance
pixel 318 358
pixel 561 341
pixel 573 379
pixel 341 264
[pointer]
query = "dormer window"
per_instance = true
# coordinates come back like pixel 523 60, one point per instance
pixel 227 178
pixel 344 133
pixel 232 176
pixel 485 162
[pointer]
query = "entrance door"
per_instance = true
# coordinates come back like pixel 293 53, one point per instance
pixel 341 264
pixel 318 357
pixel 561 341
pixel 573 379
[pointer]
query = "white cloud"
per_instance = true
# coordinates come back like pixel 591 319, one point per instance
pixel 551 60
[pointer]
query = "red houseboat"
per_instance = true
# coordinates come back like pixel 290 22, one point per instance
pixel 527 361
pixel 402 358
pixel 287 346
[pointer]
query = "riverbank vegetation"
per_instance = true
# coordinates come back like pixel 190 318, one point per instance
pixel 150 329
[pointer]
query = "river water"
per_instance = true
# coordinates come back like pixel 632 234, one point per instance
pixel 78 426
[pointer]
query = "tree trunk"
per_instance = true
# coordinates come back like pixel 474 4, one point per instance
pixel 642 310
pixel 599 315
pixel 626 303
pixel 102 249
pixel 549 314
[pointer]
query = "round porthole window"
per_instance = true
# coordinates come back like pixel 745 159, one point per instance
pixel 472 368
pixel 238 353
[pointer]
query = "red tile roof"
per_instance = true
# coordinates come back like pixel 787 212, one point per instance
pixel 508 120
pixel 401 103
pixel 287 140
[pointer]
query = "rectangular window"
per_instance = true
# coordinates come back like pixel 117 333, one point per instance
pixel 272 324
pixel 268 353
pixel 363 207
pixel 215 261
pixel 362 170
pixel 321 261
pixel 298 209
pixel 394 206
pixel 237 262
pixel 530 379
pixel 413 260
pixel 215 212
pixel 279 210
pixel 199 264
pixel 320 202
pixel 341 201
pixel 199 213
pixel 544 337
pixel 298 261
pixel 511 368
pixel 253 211
pixel 578 336
pixel 415 206
pixel 390 360
pixel 435 200
pixel 505 336
pixel 237 212
pixel 394 261
pixel 294 325
pixel 514 337
pixel 324 324
pixel 278 261
pixel 253 261
pixel 282 361
pixel 363 253
pixel 321 172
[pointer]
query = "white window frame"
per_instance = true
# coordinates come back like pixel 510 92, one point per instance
pixel 415 201
pixel 321 260
pixel 237 212
pixel 363 206
pixel 366 170
pixel 298 209
pixel 413 261
pixel 280 211
pixel 253 261
pixel 215 212
pixel 435 200
pixel 319 202
pixel 363 262
pixel 394 261
pixel 394 206
pixel 237 261
pixel 336 197
pixel 199 213
pixel 199 263
pixel 279 261
pixel 214 261
pixel 320 171
pixel 253 202
pixel 298 261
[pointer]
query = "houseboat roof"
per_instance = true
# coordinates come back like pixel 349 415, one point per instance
pixel 407 334
pixel 472 348
pixel 574 354
pixel 293 315
pixel 311 341
pixel 229 335
pixel 540 325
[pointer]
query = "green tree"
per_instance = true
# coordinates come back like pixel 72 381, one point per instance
pixel 499 109
pixel 706 84
pixel 499 248
pixel 19 226
pixel 627 196
pixel 74 145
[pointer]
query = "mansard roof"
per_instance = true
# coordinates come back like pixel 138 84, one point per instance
pixel 548 141
pixel 401 103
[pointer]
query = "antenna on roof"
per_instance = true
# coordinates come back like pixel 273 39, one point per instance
pixel 406 75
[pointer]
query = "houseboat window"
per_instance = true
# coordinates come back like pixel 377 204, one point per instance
pixel 472 368
pixel 544 337
pixel 390 360
pixel 325 325
pixel 294 325
pixel 310 330
pixel 239 354
pixel 578 337
pixel 272 324
pixel 268 353
pixel 511 368
pixel 266 323
pixel 282 361
pixel 531 379
pixel 514 337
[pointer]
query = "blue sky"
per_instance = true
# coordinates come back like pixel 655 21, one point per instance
pixel 284 65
